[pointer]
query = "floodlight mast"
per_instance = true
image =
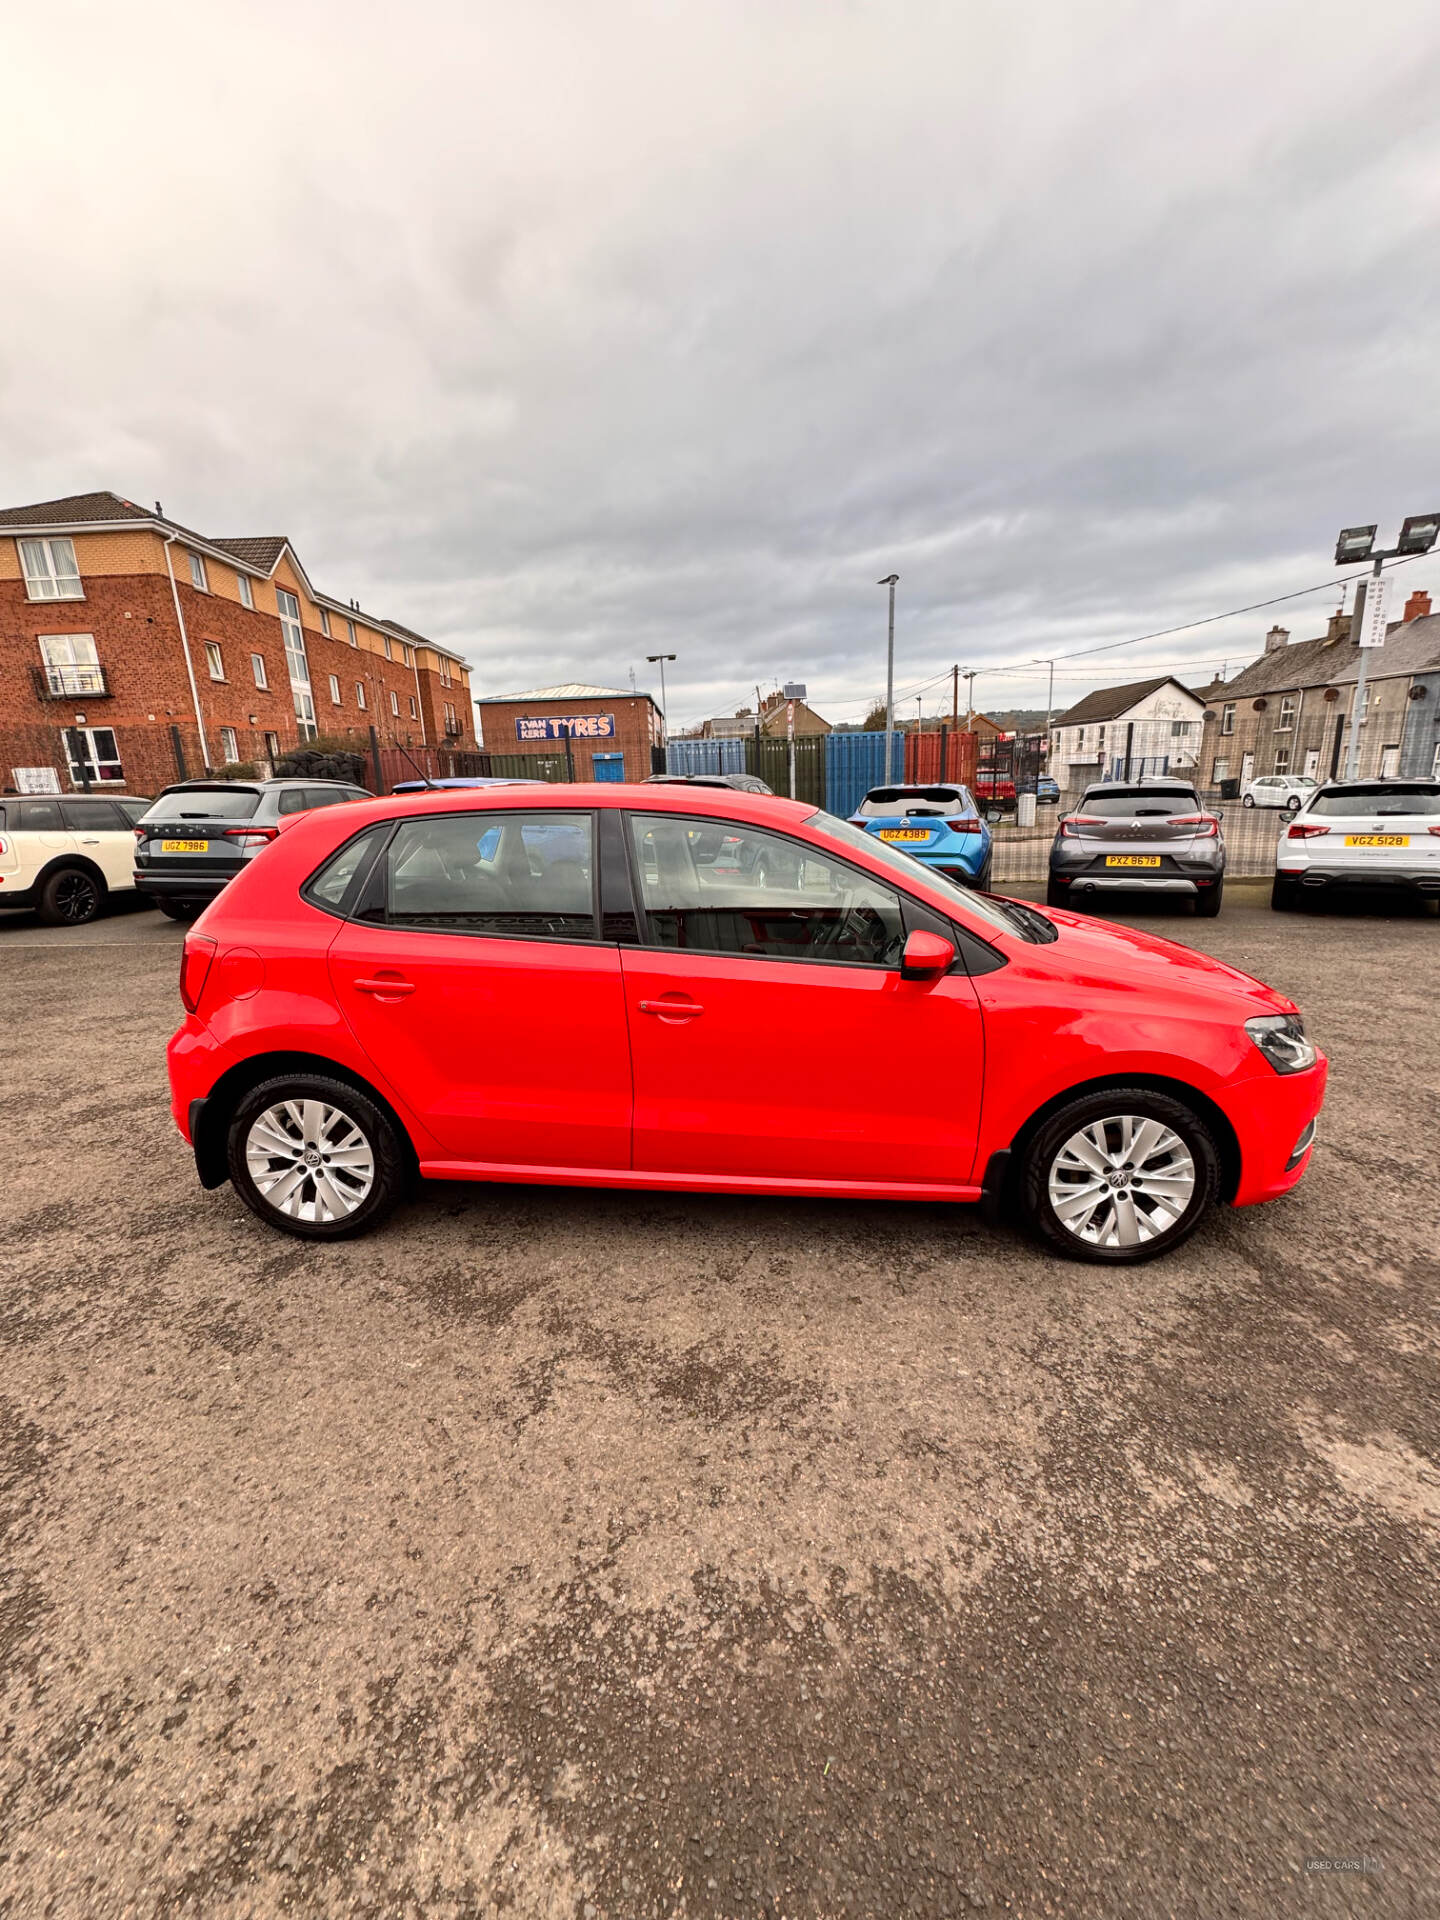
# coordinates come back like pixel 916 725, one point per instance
pixel 1417 535
pixel 890 581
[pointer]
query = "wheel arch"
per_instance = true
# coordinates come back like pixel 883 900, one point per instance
pixel 64 863
pixel 211 1126
pixel 1227 1143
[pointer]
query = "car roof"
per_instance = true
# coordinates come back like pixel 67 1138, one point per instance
pixel 256 786
pixel 767 809
pixel 466 780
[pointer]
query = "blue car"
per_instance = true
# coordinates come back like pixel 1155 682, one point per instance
pixel 940 825
pixel 1047 791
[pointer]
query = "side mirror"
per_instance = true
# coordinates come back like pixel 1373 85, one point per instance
pixel 926 956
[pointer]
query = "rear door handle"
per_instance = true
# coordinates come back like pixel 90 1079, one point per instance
pixel 672 1009
pixel 397 986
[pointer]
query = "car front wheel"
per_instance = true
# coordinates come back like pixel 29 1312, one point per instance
pixel 1119 1176
pixel 70 898
pixel 1248 801
pixel 315 1157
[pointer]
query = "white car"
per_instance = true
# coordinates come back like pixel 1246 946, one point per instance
pixel 1361 833
pixel 61 854
pixel 1289 790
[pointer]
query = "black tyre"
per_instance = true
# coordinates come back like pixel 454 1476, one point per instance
pixel 1118 1176
pixel 1293 803
pixel 981 883
pixel 181 909
pixel 1058 896
pixel 70 897
pixel 1207 904
pixel 1248 801
pixel 1284 895
pixel 315 1157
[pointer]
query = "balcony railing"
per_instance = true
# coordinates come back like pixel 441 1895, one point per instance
pixel 70 683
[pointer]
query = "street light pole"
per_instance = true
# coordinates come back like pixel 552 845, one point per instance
pixel 664 717
pixel 890 581
pixel 1417 535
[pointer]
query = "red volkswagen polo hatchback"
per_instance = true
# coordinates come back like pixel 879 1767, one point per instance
pixel 687 988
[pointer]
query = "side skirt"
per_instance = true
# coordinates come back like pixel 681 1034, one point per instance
pixel 697 1182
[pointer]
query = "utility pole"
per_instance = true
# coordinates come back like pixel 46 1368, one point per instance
pixel 664 720
pixel 970 699
pixel 954 696
pixel 890 581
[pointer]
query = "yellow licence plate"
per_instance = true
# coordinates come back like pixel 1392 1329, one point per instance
pixel 904 833
pixel 184 846
pixel 1377 839
pixel 1132 859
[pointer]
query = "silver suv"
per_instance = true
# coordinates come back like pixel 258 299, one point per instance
pixel 1151 836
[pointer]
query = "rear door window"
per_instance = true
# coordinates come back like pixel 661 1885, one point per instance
pixel 512 875
pixel 92 816
pixel 324 797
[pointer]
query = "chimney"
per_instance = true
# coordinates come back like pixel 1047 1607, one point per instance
pixel 1339 628
pixel 1417 607
pixel 1277 637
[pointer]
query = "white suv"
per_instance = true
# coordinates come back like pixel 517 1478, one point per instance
pixel 1290 790
pixel 1361 833
pixel 61 854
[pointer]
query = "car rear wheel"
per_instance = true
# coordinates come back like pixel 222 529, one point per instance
pixel 1248 801
pixel 1284 895
pixel 181 909
pixel 315 1157
pixel 1293 803
pixel 1119 1176
pixel 981 882
pixel 1058 896
pixel 69 898
pixel 1207 904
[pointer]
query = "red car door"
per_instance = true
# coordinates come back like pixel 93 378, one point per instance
pixel 771 1033
pixel 473 979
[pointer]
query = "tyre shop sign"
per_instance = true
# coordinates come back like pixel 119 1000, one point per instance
pixel 579 726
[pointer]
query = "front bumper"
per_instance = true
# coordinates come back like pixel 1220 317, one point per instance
pixel 1274 1117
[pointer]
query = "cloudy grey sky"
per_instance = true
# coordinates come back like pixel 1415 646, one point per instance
pixel 575 330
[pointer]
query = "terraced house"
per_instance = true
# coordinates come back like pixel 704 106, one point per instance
pixel 134 651
pixel 1292 710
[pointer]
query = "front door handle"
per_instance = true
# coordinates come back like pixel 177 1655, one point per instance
pixel 396 986
pixel 90 842
pixel 672 1009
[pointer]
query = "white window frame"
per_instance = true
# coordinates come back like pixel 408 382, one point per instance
pixel 1282 760
pixel 385 643
pixel 360 695
pixel 272 746
pixel 199 579
pixel 1390 752
pixel 414 708
pixel 1285 720
pixel 1220 769
pixel 95 759
pixel 72 665
pixel 214 660
pixel 335 690
pixel 394 704
pixel 404 653
pixel 257 667
pixel 297 661
pixel 350 633
pixel 452 725
pixel 229 746
pixel 1227 718
pixel 324 621
pixel 245 591
pixel 51 570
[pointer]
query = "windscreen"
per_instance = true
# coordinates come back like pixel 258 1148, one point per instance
pixel 1144 803
pixel 856 838
pixel 1377 796
pixel 886 800
pixel 205 803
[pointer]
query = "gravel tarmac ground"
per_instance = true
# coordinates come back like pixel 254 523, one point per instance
pixel 603 1555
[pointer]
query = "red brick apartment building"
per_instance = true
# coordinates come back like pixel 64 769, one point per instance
pixel 134 651
pixel 612 733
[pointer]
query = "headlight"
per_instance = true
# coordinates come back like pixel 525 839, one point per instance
pixel 1281 1038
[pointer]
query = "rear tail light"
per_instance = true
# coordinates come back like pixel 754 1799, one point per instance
pixel 141 833
pixel 1432 829
pixel 966 825
pixel 1070 828
pixel 250 836
pixel 195 958
pixel 1303 830
pixel 1205 824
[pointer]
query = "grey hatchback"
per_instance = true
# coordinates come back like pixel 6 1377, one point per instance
pixel 197 835
pixel 1152 836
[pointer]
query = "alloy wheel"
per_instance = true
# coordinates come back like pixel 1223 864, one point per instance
pixel 75 898
pixel 309 1160
pixel 1122 1180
